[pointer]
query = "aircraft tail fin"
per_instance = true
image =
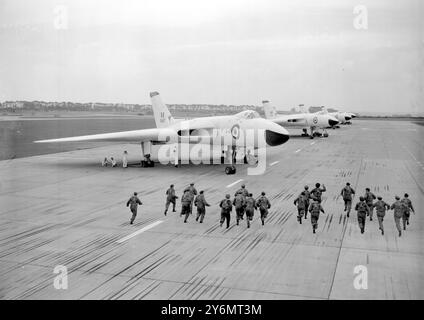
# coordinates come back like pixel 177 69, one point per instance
pixel 163 117
pixel 324 109
pixel 270 111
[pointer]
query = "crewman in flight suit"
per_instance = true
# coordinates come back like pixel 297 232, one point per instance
pixel 263 204
pixel 347 193
pixel 316 193
pixel 201 204
pixel 408 209
pixel 315 208
pixel 369 198
pixel 380 208
pixel 170 198
pixel 301 203
pixel 133 202
pixel 399 210
pixel 226 208
pixel 362 210
pixel 186 202
pixel 239 203
pixel 250 208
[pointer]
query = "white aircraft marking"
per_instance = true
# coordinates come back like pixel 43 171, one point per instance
pixel 150 226
pixel 297 150
pixel 234 183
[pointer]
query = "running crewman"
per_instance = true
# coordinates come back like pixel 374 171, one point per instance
pixel 133 202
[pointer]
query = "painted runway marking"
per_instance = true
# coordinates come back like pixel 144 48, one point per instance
pixel 150 226
pixel 312 143
pixel 275 162
pixel 297 150
pixel 234 183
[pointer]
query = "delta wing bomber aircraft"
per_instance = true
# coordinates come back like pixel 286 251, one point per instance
pixel 342 117
pixel 302 120
pixel 210 137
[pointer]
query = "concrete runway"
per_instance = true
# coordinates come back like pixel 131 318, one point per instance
pixel 65 209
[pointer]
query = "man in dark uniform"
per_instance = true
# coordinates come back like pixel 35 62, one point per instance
pixel 133 202
pixel 315 208
pixel 369 198
pixel 347 193
pixel 263 204
pixel 239 203
pixel 250 209
pixel 362 209
pixel 380 208
pixel 301 203
pixel 201 204
pixel 399 210
pixel 226 208
pixel 170 198
pixel 316 193
pixel 186 202
pixel 408 209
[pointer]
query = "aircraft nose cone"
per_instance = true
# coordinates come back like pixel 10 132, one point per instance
pixel 332 122
pixel 273 138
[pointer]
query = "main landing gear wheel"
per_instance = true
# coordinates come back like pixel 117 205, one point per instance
pixel 230 170
pixel 325 135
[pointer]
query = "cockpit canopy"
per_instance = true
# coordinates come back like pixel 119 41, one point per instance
pixel 248 114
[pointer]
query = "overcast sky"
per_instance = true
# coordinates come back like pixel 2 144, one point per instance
pixel 216 52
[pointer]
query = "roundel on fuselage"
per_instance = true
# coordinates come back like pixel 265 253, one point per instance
pixel 235 131
pixel 315 120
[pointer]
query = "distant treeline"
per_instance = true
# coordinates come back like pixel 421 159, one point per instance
pixel 18 106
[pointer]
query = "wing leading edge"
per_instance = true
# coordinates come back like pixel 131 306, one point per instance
pixel 155 134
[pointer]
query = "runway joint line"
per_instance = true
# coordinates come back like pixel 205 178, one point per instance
pixel 234 183
pixel 150 226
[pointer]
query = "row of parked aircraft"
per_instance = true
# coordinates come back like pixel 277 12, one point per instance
pixel 242 134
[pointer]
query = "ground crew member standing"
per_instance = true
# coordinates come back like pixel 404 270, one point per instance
pixel 362 209
pixel 408 208
pixel 125 159
pixel 239 203
pixel 347 193
pixel 399 210
pixel 201 204
pixel 226 208
pixel 250 208
pixel 170 198
pixel 263 204
pixel 317 192
pixel 308 198
pixel 301 203
pixel 315 208
pixel 380 208
pixel 369 197
pixel 133 202
pixel 186 201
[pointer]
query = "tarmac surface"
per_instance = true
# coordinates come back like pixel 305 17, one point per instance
pixel 65 209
